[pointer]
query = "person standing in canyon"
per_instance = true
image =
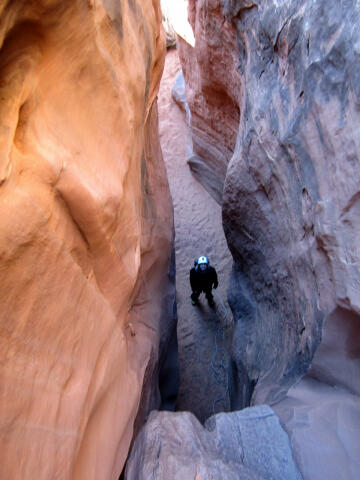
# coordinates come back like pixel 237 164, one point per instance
pixel 203 278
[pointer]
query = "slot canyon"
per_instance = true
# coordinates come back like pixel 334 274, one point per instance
pixel 137 136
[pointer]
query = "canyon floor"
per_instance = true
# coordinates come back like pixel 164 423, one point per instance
pixel 203 338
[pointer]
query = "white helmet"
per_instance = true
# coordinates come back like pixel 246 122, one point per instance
pixel 203 260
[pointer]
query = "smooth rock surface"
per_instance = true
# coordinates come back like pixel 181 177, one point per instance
pixel 178 92
pixel 323 424
pixel 86 287
pixel 292 181
pixel 322 412
pixel 290 176
pixel 212 90
pixel 246 445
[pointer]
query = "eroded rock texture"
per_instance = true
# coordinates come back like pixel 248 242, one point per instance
pixel 291 191
pixel 246 445
pixel 85 233
pixel 212 90
pixel 288 169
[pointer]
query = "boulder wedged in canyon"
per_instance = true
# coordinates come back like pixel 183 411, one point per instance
pixel 86 233
pixel 246 445
pixel 289 165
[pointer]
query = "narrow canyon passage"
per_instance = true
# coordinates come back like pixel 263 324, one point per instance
pixel 100 342
pixel 198 230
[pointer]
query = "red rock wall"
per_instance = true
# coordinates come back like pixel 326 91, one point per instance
pixel 212 91
pixel 85 232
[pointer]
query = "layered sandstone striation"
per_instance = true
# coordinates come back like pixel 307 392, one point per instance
pixel 86 283
pixel 291 185
pixel 212 92
pixel 287 79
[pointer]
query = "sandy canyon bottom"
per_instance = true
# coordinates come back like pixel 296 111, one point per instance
pixel 198 231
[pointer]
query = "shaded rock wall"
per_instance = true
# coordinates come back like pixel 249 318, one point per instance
pixel 322 412
pixel 198 226
pixel 212 89
pixel 86 291
pixel 246 445
pixel 291 188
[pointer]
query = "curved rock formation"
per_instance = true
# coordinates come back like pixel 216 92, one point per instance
pixel 288 166
pixel 212 91
pixel 85 233
pixel 246 445
pixel 291 189
pixel 322 412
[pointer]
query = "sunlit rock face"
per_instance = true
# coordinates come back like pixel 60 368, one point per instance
pixel 86 290
pixel 291 189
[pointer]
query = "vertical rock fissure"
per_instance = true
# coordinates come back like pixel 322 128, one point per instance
pixel 204 334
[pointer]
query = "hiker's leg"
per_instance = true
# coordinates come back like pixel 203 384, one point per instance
pixel 195 296
pixel 209 297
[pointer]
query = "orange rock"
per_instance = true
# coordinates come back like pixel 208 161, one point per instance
pixel 85 231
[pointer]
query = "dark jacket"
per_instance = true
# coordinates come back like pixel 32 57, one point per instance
pixel 203 281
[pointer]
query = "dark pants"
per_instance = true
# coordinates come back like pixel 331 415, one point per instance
pixel 196 293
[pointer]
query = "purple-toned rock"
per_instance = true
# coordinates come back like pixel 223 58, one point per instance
pixel 287 167
pixel 291 183
pixel 246 445
pixel 322 413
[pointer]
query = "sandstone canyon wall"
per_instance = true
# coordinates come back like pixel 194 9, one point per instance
pixel 274 85
pixel 282 78
pixel 212 92
pixel 86 282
